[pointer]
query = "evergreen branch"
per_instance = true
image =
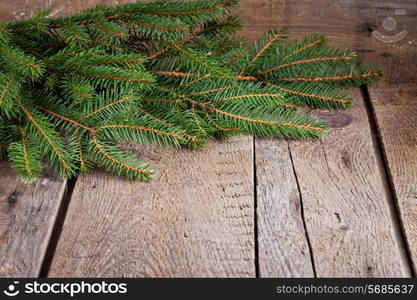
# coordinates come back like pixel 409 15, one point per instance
pixel 318 41
pixel 249 96
pixel 21 62
pixel 305 61
pixel 24 156
pixel 196 121
pixel 272 123
pixel 123 59
pixel 129 169
pixel 201 62
pixel 89 115
pixel 155 26
pixel 192 138
pixel 337 100
pixel 6 90
pixel 57 152
pixel 172 73
pixel 216 124
pixel 107 28
pixel 80 150
pixel 162 100
pixel 209 91
pixel 371 74
pixel 146 129
pixel 205 76
pixel 114 74
pixel 276 36
pixel 25 152
pixel 247 78
pixel 192 11
pixel 64 118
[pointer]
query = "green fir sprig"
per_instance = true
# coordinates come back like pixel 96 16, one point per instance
pixel 172 73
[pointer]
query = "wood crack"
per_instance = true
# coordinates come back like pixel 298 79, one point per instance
pixel 387 181
pixel 310 248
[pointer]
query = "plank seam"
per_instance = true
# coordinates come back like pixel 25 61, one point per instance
pixel 255 199
pixel 57 228
pixel 310 248
pixel 387 180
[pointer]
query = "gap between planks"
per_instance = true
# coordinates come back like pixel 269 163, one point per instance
pixel 365 242
pixel 387 178
pixel 310 248
pixel 57 228
pixel 255 209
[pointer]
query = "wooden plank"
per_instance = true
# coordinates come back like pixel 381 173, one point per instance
pixel 283 249
pixel 222 228
pixel 347 210
pixel 27 215
pixel 23 9
pixel 195 220
pixel 397 127
pixel 394 102
pixel 27 211
pixel 346 24
pixel 329 17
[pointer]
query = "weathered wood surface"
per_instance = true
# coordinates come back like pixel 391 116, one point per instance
pixel 348 213
pixel 394 102
pixel 200 221
pixel 195 220
pixel 341 205
pixel 27 212
pixel 347 24
pixel 283 249
pixel 27 216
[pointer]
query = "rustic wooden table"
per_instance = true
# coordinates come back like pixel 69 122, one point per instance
pixel 343 206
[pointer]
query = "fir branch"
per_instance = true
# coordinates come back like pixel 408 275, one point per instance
pixel 201 62
pixel 314 41
pixel 139 128
pixel 29 171
pixel 89 115
pixel 24 156
pixel 112 159
pixel 272 38
pixel 80 150
pixel 370 74
pixel 172 73
pixel 51 141
pixel 306 61
pixel 64 118
pixel 316 129
pixel 326 96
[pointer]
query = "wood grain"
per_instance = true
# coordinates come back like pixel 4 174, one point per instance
pixel 347 24
pixel 27 216
pixel 397 127
pixel 347 210
pixel 120 228
pixel 23 9
pixel 394 103
pixel 195 220
pixel 283 249
pixel 27 212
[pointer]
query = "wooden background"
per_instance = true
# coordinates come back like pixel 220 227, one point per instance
pixel 345 206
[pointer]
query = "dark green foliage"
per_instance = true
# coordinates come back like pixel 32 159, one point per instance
pixel 172 73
